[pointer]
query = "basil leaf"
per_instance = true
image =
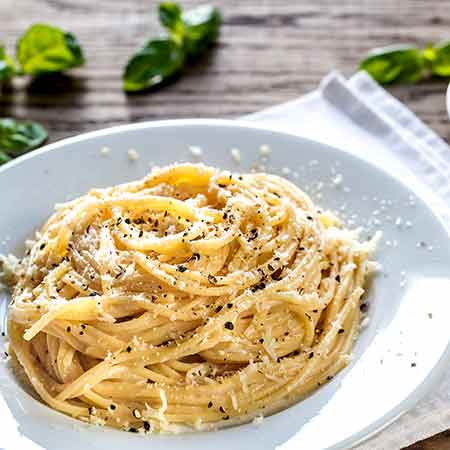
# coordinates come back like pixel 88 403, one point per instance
pixel 17 138
pixel 157 61
pixel 394 64
pixel 4 158
pixel 201 28
pixel 170 16
pixel 44 49
pixel 440 65
pixel 7 68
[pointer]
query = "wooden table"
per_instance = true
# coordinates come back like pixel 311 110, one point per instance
pixel 270 51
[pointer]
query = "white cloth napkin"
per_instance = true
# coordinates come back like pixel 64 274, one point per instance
pixel 361 117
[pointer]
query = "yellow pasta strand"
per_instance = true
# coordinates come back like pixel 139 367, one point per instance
pixel 191 298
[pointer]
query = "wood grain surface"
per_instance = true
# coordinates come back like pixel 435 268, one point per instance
pixel 270 51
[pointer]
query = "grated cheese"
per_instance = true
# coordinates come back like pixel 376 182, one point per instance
pixel 236 154
pixel 132 154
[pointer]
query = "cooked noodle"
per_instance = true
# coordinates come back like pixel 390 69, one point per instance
pixel 191 298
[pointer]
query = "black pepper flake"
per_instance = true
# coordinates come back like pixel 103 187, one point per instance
pixel 309 217
pixel 93 294
pixel 219 308
pixel 141 233
pixel 363 307
pixel 270 267
pixel 127 221
pixel 315 310
pixel 329 377
pixel 210 404
pixel 128 349
pixel 181 268
pixel 83 326
pixel 338 278
pixel 229 305
pixel 261 341
pixel 253 234
pixel 229 325
pixel 195 256
pixel 341 330
pixel 276 275
pixel 212 279
pixel 221 409
pixel 222 185
pixel 112 406
pixel 226 417
pixel 413 364
pixel 91 410
pixel 147 424
pixel 258 286
pixel 81 333
pixel 3 334
pixel 310 355
pixel 132 430
pixel 42 246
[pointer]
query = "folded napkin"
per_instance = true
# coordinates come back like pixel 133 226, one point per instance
pixel 359 116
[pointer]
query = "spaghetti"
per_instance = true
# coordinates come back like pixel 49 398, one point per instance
pixel 191 298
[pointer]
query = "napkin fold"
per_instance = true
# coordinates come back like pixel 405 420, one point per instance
pixel 359 116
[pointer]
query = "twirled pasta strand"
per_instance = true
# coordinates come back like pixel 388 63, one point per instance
pixel 193 297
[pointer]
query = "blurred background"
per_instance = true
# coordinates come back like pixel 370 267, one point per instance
pixel 269 51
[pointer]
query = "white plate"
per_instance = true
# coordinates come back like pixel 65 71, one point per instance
pixel 408 319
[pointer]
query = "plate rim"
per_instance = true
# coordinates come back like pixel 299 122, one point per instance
pixel 438 371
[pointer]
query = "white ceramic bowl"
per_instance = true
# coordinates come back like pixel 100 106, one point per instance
pixel 448 100
pixel 399 355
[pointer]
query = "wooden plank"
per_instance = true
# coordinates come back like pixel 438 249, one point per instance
pixel 269 52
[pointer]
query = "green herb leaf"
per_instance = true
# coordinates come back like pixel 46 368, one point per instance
pixel 170 15
pixel 17 138
pixel 44 49
pixel 429 54
pixel 4 158
pixel 7 68
pixel 201 28
pixel 395 64
pixel 157 61
pixel 441 63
